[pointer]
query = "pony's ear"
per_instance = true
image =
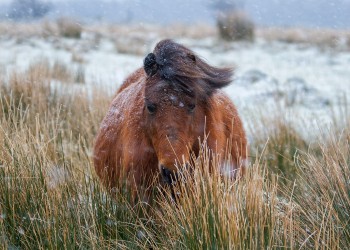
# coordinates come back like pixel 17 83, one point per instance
pixel 192 57
pixel 150 64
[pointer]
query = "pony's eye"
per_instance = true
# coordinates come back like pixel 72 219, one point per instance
pixel 191 107
pixel 151 108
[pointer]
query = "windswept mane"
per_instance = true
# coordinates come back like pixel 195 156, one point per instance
pixel 180 66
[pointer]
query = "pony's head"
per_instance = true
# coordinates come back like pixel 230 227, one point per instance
pixel 177 91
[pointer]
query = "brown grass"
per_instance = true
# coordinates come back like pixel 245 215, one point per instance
pixel 42 70
pixel 136 39
pixel 139 40
pixel 294 196
pixel 235 26
pixel 69 27
pixel 323 38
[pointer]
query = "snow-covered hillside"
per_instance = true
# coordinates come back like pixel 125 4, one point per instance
pixel 301 82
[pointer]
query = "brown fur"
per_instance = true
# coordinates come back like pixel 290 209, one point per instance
pixel 184 91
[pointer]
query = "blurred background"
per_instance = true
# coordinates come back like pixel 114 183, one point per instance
pixel 292 55
pixel 308 13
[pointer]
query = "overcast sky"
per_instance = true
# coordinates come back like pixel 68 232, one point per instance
pixel 310 13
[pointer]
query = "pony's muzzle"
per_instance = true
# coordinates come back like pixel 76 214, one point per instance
pixel 168 176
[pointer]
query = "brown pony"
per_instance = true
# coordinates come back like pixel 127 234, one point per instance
pixel 160 112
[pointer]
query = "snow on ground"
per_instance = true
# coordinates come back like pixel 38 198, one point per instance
pixel 304 82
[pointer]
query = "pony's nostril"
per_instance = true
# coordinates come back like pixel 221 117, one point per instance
pixel 168 176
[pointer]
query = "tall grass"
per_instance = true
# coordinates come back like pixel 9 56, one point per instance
pixel 213 212
pixel 325 196
pixel 50 197
pixel 281 143
pixel 294 196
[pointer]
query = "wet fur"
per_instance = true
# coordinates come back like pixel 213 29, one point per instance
pixel 131 143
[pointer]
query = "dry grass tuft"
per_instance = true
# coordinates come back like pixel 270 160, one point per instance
pixel 281 144
pixel 325 194
pixel 322 38
pixel 43 71
pixel 69 27
pixel 132 45
pixel 235 25
pixel 140 39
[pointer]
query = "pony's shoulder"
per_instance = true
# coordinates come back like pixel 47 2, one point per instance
pixel 220 97
pixel 132 78
pixel 123 109
pixel 221 101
